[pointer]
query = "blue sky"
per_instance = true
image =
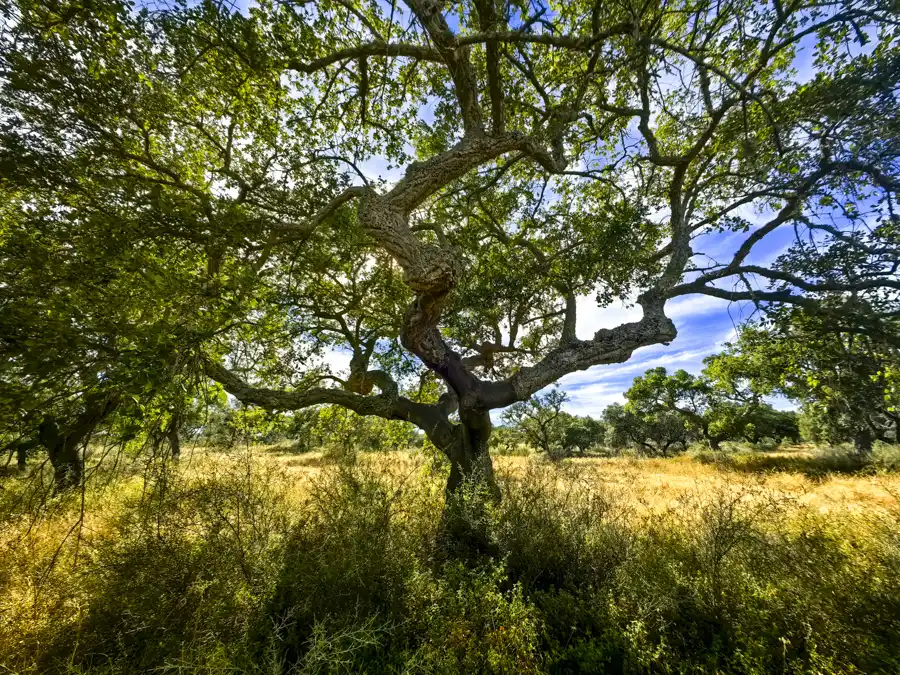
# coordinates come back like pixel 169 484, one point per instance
pixel 704 325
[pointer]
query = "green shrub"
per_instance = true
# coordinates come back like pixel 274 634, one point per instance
pixel 231 568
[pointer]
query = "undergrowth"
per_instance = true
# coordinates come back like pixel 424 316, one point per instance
pixel 229 566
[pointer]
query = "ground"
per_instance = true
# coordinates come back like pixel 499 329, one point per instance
pixel 822 478
pixel 261 559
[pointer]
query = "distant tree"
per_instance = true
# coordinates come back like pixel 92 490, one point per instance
pixel 541 421
pixel 816 426
pixel 506 439
pixel 653 433
pixel 582 433
pixel 714 407
pixel 842 374
pixel 302 429
pixel 767 422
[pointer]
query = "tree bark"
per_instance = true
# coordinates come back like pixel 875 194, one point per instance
pixel 22 456
pixel 465 529
pixel 64 456
pixel 862 442
pixel 63 446
pixel 470 460
pixel 172 435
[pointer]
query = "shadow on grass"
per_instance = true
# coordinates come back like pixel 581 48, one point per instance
pixel 811 466
pixel 310 461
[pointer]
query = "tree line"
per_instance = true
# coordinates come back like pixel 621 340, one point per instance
pixel 844 384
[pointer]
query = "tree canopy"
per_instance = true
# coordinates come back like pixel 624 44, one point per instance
pixel 189 193
pixel 844 377
pixel 720 404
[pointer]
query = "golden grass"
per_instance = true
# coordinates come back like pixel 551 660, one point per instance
pixel 652 483
pixel 644 486
pixel 44 548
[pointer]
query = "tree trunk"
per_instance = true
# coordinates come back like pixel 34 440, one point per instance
pixel 713 443
pixel 470 460
pixel 64 456
pixel 471 491
pixel 62 446
pixel 174 440
pixel 862 441
pixel 22 456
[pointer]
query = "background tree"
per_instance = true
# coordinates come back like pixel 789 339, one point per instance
pixel 541 421
pixel 692 398
pixel 653 432
pixel 505 440
pixel 839 374
pixel 768 422
pixel 211 164
pixel 582 433
pixel 719 404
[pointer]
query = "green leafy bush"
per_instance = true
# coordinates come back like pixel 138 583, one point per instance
pixel 230 567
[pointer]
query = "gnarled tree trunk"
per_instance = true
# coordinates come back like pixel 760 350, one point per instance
pixel 65 458
pixel 470 460
pixel 465 529
pixel 862 442
pixel 63 446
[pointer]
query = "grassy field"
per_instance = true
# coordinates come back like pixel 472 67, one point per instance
pixel 824 480
pixel 263 560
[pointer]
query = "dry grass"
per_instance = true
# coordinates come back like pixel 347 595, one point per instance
pixel 656 484
pixel 700 563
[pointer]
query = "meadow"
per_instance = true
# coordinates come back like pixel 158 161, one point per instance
pixel 265 560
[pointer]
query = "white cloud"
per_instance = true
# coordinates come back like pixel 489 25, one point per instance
pixel 592 318
pixel 593 403
pixel 337 360
pixel 690 306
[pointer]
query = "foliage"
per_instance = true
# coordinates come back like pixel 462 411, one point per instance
pixel 654 433
pixel 841 375
pixel 717 405
pixel 541 421
pixel 582 434
pixel 230 566
pixel 507 440
pixel 545 426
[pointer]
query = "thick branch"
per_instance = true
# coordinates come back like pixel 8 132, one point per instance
pixel 607 346
pixel 388 405
pixel 487 13
pixel 793 280
pixel 374 49
pixel 456 57
pixel 423 179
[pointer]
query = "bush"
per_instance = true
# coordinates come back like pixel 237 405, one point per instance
pixel 227 566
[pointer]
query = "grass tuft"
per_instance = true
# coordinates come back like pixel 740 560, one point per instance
pixel 254 563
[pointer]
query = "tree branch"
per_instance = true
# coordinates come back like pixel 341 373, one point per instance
pixel 374 49
pixel 387 405
pixel 456 57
